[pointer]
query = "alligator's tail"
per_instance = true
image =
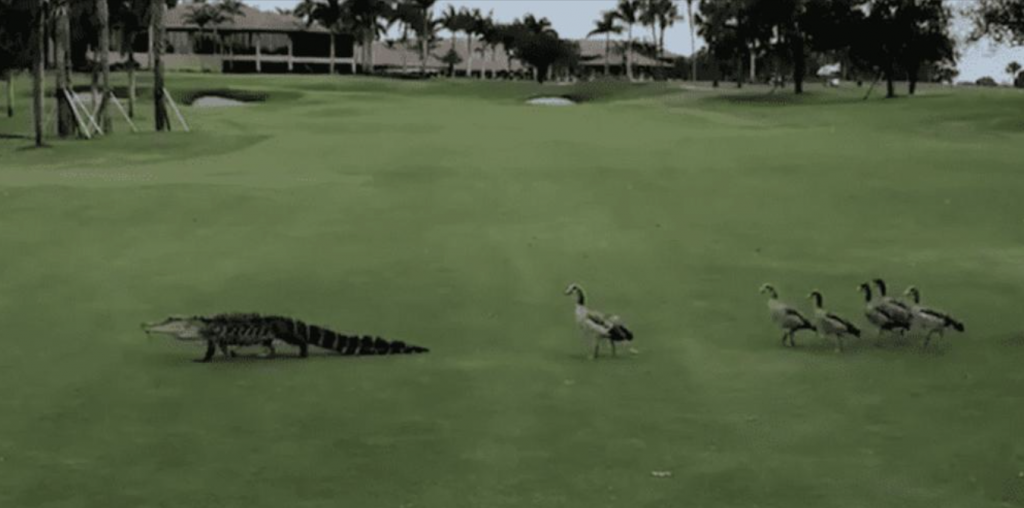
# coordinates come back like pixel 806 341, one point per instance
pixel 353 344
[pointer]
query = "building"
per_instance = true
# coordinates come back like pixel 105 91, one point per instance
pixel 254 41
pixel 273 42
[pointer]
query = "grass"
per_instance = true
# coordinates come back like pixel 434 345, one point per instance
pixel 450 215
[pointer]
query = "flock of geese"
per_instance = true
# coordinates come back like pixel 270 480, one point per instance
pixel 884 312
pixel 887 314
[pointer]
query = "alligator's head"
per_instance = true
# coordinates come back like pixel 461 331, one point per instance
pixel 179 327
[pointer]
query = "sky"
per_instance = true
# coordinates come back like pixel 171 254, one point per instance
pixel 575 18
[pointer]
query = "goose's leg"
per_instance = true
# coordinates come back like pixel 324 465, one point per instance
pixel 612 342
pixel 839 343
pixel 597 346
pixel 784 337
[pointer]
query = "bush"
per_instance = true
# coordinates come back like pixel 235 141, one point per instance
pixel 986 81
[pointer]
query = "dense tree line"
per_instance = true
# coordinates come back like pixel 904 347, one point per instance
pixel 878 39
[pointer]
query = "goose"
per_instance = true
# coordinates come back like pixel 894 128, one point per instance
pixel 884 316
pixel 596 325
pixel 935 321
pixel 785 317
pixel 831 324
pixel 899 310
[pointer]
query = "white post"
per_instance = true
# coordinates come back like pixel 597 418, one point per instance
pixel 259 53
pixel 332 54
pixel 291 57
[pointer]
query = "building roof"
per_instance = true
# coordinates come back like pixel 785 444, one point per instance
pixel 591 51
pixel 251 20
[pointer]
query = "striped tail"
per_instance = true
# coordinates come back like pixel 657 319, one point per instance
pixel 353 344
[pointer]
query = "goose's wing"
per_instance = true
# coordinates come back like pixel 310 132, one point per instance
pixel 791 313
pixel 842 323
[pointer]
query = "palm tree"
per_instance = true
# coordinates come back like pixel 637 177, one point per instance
pixel 490 36
pixel 157 11
pixel 37 70
pixel 628 11
pixel 367 20
pixel 606 26
pixel 453 21
pixel 406 15
pixel 103 16
pixel 1012 69
pixel 129 18
pixel 666 14
pixel 328 14
pixel 426 29
pixel 693 42
pixel 472 24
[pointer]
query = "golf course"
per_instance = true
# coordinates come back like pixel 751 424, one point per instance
pixel 452 215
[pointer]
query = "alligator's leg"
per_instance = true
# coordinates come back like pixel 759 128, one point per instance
pixel 211 348
pixel 268 348
pixel 227 352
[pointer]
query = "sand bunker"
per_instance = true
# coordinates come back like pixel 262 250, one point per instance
pixel 551 101
pixel 213 101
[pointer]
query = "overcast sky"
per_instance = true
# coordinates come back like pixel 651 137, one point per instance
pixel 574 18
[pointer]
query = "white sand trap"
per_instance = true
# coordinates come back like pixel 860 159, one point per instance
pixel 213 101
pixel 551 101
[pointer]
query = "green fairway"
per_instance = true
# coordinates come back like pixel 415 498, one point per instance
pixel 450 215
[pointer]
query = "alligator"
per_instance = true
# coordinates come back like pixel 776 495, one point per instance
pixel 249 329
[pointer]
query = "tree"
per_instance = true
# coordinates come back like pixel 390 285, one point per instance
pixel 328 14
pixel 157 11
pixel 1002 20
pixel 535 43
pixel 606 25
pixel 925 25
pixel 1012 69
pixel 693 41
pixel 720 26
pixel 451 59
pixel 426 29
pixel 131 18
pixel 904 36
pixel 103 17
pixel 38 63
pixel 629 12
pixel 66 124
pixel 452 20
pixel 367 20
pixel 213 15
pixel 490 38
pixel 16 43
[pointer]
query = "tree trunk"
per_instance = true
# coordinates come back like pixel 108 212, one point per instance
pixel 469 55
pixel 103 16
pixel 912 73
pixel 159 105
pixel 66 125
pixel 693 43
pixel 10 94
pixel 37 72
pixel 799 64
pixel 739 71
pixel 629 53
pixel 890 89
pixel 423 44
pixel 131 84
pixel 607 53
